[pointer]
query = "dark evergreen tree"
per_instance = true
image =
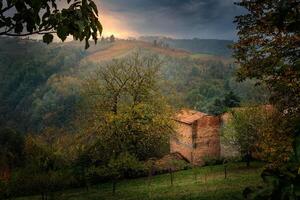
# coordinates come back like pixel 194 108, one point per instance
pixel 231 100
pixel 112 38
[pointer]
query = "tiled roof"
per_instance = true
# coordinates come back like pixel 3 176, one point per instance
pixel 189 116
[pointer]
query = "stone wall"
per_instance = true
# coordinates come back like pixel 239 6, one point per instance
pixel 198 140
pixel 182 141
pixel 207 141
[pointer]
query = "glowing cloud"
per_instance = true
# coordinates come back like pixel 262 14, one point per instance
pixel 114 24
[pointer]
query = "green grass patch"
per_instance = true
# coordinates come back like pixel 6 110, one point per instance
pixel 207 183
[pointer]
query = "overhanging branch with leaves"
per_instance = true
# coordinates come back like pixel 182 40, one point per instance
pixel 27 17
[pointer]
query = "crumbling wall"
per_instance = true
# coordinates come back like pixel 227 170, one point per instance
pixel 207 141
pixel 182 141
pixel 198 140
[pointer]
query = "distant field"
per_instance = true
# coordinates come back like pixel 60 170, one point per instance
pixel 122 48
pixel 206 183
pixel 108 51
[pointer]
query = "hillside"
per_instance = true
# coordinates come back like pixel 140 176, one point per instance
pixel 122 47
pixel 40 84
pixel 196 45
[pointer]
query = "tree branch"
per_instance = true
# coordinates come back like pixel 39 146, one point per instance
pixel 6 9
pixel 41 32
pixel 27 34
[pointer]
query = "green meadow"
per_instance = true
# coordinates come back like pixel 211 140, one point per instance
pixel 207 183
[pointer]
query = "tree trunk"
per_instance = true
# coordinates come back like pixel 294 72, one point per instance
pixel 248 159
pixel 115 104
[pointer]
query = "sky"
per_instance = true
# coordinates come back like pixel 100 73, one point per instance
pixel 205 19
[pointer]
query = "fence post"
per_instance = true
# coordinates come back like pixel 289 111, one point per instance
pixel 171 175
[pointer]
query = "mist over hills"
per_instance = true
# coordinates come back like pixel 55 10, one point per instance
pixel 40 84
pixel 195 45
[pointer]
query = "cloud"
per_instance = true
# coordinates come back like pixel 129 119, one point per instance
pixel 177 18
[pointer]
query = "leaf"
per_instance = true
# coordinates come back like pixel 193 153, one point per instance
pixel 87 45
pixel 94 6
pixel 48 38
pixel 19 28
pixel 62 32
pixel 80 25
pixel 99 26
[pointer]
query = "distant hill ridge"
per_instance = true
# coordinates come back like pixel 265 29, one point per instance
pixel 195 45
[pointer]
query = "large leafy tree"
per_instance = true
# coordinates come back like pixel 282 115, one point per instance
pixel 124 109
pixel 26 17
pixel 268 48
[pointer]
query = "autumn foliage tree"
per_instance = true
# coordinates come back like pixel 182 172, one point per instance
pixel 268 49
pixel 124 109
pixel 259 132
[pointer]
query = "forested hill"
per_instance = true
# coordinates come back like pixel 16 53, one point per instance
pixel 27 69
pixel 196 45
pixel 40 85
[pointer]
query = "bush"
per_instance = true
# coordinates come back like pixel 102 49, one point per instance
pixel 3 190
pixel 167 163
pixel 211 160
pixel 281 184
pixel 123 166
pixel 24 183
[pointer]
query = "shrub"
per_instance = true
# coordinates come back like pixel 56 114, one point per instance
pixel 3 190
pixel 281 183
pixel 212 160
pixel 24 183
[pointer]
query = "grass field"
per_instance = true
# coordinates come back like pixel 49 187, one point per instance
pixel 207 183
pixel 119 49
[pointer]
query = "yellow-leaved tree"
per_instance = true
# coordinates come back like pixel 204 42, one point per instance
pixel 124 110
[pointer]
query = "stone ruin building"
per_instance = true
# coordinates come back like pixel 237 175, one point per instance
pixel 197 136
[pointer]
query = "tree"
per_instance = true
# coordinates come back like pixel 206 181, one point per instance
pixel 79 19
pixel 121 165
pixel 11 151
pixel 112 38
pixel 231 100
pixel 241 132
pixel 257 131
pixel 124 109
pixel 40 173
pixel 217 107
pixel 155 43
pixel 267 49
pixel 220 106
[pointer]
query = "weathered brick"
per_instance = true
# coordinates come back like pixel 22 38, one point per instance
pixel 197 136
